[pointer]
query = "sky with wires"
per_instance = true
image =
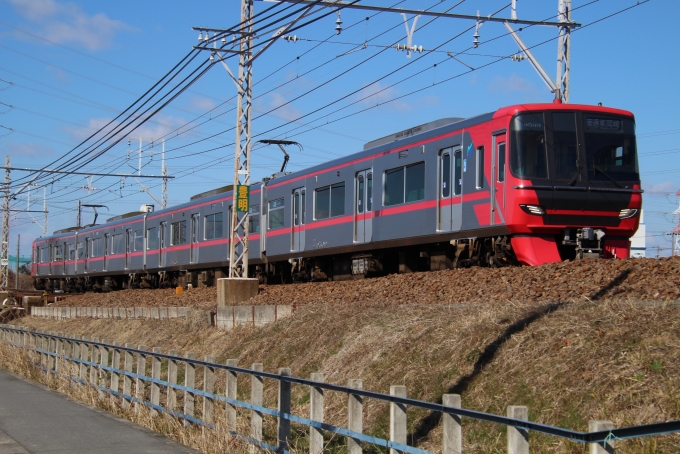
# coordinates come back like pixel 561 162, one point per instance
pixel 79 79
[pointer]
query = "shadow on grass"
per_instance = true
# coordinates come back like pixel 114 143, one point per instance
pixel 432 420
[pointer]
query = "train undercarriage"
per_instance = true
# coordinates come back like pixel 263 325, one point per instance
pixel 461 253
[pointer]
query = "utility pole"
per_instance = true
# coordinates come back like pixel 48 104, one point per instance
pixel 4 249
pixel 164 185
pixel 164 171
pixel 238 259
pixel 675 234
pixel 44 211
pixel 563 51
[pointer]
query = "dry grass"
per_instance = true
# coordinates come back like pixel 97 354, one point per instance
pixel 569 363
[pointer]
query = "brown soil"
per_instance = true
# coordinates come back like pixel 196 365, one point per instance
pixel 633 279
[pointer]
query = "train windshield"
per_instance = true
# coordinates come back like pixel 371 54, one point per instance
pixel 610 148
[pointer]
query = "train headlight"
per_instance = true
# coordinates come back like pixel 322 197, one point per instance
pixel 536 210
pixel 627 213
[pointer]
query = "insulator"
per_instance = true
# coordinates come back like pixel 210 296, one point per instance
pixel 338 24
pixel 224 40
pixel 200 36
pixel 212 57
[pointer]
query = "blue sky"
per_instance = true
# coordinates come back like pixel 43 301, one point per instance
pixel 67 68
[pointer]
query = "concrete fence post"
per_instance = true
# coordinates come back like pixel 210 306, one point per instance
pixel 208 388
pixel 140 384
pixel 59 359
pixel 115 376
pixel 231 394
pixel 256 398
pixel 171 399
pixel 283 429
pixel 316 413
pixel 601 448
pixel 453 431
pixel 52 348
pixel 75 356
pixel 518 439
pixel 84 356
pixel 104 354
pixel 127 380
pixel 156 375
pixel 355 416
pixel 95 360
pixel 398 429
pixel 189 382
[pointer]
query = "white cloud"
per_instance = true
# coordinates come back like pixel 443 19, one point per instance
pixel 513 85
pixel 665 187
pixel 67 23
pixel 201 103
pixel 58 75
pixel 375 94
pixel 152 130
pixel 284 111
pixel 29 150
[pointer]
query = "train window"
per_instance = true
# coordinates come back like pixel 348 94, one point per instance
pixel 178 233
pixel 213 226
pixel 369 192
pixel 610 149
pixel 80 250
pixel 329 201
pixel 276 214
pixel 44 254
pixel 479 183
pixel 152 238
pixel 97 247
pixel 565 144
pixel 458 172
pixel 139 240
pixel 528 158
pixel 57 253
pixel 405 184
pixel 446 175
pixel 117 244
pixel 501 162
pixel 394 186
pixel 71 251
pixel 254 219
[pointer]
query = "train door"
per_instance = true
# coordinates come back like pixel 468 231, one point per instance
pixel 363 207
pixel 163 244
pixel 298 224
pixel 449 217
pixel 64 257
pixel 193 252
pixel 106 251
pixel 129 242
pixel 498 179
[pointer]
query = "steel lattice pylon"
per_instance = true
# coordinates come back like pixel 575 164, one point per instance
pixel 564 51
pixel 243 143
pixel 4 249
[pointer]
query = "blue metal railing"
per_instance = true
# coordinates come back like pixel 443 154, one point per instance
pixel 582 437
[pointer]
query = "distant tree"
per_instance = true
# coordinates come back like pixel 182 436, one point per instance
pixel 25 268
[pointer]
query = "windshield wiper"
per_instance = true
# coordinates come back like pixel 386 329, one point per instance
pixel 577 173
pixel 598 169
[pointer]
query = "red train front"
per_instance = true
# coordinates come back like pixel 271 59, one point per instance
pixel 572 186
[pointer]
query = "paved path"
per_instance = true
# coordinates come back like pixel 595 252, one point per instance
pixel 34 419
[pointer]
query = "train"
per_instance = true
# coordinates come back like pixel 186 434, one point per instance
pixel 526 184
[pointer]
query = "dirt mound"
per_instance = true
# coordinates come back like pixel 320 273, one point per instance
pixel 632 279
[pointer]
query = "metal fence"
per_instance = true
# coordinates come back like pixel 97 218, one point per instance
pixel 121 372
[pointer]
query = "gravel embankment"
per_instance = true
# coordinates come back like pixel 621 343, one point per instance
pixel 634 279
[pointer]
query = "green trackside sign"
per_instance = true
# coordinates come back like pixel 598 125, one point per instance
pixel 242 198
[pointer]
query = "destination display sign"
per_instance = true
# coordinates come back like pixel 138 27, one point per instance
pixel 603 124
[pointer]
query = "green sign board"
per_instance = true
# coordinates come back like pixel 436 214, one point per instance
pixel 242 198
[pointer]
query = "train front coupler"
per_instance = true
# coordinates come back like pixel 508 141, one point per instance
pixel 586 241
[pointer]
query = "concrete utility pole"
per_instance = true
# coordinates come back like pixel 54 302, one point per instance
pixel 16 280
pixel 4 249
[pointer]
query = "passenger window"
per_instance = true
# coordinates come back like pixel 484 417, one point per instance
pixel 446 175
pixel 151 238
pixel 213 227
pixel 254 219
pixel 458 172
pixel 480 168
pixel 329 201
pixel 276 214
pixel 501 162
pixel 405 184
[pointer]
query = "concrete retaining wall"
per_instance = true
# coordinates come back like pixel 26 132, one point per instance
pixel 227 317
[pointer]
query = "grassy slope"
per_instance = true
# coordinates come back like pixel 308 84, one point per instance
pixel 568 363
